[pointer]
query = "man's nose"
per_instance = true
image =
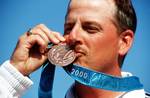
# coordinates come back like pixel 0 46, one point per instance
pixel 74 36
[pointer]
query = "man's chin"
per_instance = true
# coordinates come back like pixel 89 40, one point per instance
pixel 80 61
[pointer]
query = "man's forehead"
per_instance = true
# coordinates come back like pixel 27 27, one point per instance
pixel 93 2
pixel 102 4
pixel 105 8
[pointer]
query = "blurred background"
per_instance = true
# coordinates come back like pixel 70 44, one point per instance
pixel 17 16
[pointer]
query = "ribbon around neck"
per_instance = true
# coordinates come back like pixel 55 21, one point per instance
pixel 101 80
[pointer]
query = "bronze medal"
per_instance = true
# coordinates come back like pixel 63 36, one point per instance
pixel 61 55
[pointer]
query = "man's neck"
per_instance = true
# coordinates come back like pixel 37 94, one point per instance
pixel 83 91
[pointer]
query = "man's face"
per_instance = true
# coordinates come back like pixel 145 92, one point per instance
pixel 89 27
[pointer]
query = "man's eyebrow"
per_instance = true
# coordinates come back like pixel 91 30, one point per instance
pixel 69 23
pixel 88 23
pixel 93 23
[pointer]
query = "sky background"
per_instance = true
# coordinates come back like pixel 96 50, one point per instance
pixel 17 16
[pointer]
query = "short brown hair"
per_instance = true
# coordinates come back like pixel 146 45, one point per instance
pixel 125 15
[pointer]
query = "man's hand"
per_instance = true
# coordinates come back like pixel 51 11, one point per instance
pixel 31 49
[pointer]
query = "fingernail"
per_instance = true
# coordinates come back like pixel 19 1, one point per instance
pixel 56 41
pixel 63 39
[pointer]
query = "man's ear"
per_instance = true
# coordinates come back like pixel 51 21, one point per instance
pixel 125 42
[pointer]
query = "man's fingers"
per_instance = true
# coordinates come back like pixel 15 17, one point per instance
pixel 36 39
pixel 59 36
pixel 46 34
pixel 40 33
pixel 54 37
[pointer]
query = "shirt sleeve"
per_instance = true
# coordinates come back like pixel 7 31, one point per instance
pixel 12 83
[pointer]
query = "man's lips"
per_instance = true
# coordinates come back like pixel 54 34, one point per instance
pixel 79 53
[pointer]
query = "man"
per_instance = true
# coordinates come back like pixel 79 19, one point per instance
pixel 101 31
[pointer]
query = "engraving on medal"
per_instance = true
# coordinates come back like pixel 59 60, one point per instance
pixel 61 54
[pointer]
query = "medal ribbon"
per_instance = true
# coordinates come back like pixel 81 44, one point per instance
pixel 46 81
pixel 101 80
